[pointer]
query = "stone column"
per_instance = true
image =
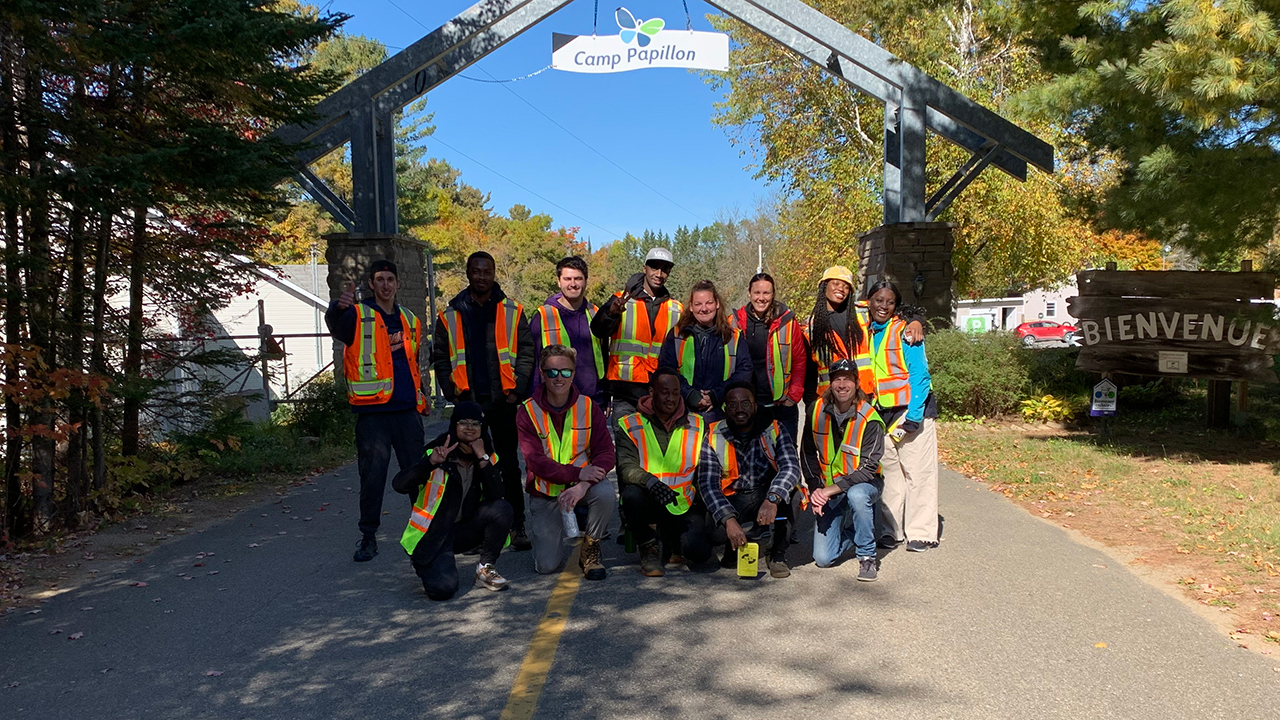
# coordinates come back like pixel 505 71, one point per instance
pixel 349 256
pixel 917 258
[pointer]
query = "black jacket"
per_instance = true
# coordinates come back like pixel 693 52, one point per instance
pixel 606 324
pixel 476 320
pixel 486 486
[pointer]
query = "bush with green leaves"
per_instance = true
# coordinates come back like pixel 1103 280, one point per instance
pixel 977 375
pixel 322 411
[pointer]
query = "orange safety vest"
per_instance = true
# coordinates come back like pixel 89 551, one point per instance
pixel 367 364
pixel 686 355
pixel 861 357
pixel 567 447
pixel 505 329
pixel 424 510
pixel 553 332
pixel 676 466
pixel 634 347
pixel 893 381
pixel 718 436
pixel 841 458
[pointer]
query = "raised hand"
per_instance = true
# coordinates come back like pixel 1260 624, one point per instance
pixel 617 305
pixel 441 453
pixel 348 296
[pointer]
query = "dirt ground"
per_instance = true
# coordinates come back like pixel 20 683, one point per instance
pixel 1196 520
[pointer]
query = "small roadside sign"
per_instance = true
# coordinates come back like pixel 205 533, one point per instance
pixel 1104 399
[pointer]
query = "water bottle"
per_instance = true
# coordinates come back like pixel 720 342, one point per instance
pixel 570 524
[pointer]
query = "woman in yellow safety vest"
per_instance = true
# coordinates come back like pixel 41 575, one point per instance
pixel 457 505
pixel 904 399
pixel 706 351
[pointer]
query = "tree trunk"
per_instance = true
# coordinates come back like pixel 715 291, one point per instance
pixel 77 403
pixel 130 435
pixel 40 297
pixel 13 520
pixel 97 351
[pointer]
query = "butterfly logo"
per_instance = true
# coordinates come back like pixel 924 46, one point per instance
pixel 635 29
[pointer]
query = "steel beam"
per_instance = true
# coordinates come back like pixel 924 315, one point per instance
pixel 899 73
pixel 328 199
pixel 950 190
pixel 911 156
pixel 892 195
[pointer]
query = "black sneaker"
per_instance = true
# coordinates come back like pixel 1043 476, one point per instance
pixel 886 542
pixel 867 569
pixel 730 558
pixel 919 545
pixel 368 548
pixel 519 540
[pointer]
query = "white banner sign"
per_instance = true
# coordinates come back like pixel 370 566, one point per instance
pixel 664 49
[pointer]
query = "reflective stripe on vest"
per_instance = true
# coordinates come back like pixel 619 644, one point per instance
pixel 505 328
pixel 686 355
pixel 861 359
pixel 568 447
pixel 555 333
pixel 718 436
pixel 838 459
pixel 367 365
pixel 777 358
pixel 675 467
pixel 893 381
pixel 424 510
pixel 634 347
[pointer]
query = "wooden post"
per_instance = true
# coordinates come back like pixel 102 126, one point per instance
pixel 1218 413
pixel 1242 387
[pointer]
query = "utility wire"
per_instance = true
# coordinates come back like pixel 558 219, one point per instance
pixel 502 83
pixel 611 233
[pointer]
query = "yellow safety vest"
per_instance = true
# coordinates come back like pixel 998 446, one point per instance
pixel 554 332
pixel 424 510
pixel 568 447
pixel 686 355
pixel 675 467
pixel 893 380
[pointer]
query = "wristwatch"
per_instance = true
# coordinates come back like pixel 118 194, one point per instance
pixel 775 498
pixel 485 458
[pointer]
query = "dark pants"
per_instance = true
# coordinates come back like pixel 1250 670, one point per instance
pixel 747 505
pixel 687 532
pixel 788 417
pixel 488 529
pixel 376 434
pixel 501 418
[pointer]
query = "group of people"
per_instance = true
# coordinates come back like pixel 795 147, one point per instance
pixel 696 407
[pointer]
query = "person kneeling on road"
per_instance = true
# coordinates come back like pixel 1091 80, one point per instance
pixel 748 471
pixel 567 452
pixel 458 505
pixel 659 448
pixel 847 436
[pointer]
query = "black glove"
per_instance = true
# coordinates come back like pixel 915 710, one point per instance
pixel 663 494
pixel 910 427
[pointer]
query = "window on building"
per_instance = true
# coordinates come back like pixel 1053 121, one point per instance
pixel 1051 309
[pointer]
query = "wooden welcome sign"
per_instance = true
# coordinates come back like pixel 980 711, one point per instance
pixel 1194 324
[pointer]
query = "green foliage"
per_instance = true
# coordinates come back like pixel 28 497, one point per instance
pixel 1046 408
pixel 1178 98
pixel 322 411
pixel 977 375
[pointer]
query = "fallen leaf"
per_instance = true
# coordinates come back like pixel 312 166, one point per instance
pixel 75 636
pixel 213 572
pixel 212 673
pixel 85 609
pixel 282 532
pixel 1100 645
pixel 139 583
pixel 16 684
pixel 34 612
pixel 253 544
pixel 55 632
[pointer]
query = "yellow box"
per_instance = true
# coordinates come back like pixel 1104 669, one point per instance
pixel 748 560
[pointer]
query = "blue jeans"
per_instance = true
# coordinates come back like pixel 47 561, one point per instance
pixel 847 520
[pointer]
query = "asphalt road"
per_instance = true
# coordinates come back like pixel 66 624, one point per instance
pixel 266 616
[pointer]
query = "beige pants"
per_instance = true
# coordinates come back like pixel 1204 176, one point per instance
pixel 909 505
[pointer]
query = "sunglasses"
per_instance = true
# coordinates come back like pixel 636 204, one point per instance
pixel 558 372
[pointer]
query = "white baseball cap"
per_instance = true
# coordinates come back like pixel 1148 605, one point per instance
pixel 659 254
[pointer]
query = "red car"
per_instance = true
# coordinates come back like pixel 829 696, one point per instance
pixel 1031 333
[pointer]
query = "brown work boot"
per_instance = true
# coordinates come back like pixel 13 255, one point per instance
pixel 590 560
pixel 650 561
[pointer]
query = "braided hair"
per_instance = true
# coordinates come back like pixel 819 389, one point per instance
pixel 820 329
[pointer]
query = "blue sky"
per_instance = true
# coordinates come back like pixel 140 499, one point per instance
pixel 654 123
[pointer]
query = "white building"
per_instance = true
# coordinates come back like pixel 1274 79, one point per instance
pixel 1010 312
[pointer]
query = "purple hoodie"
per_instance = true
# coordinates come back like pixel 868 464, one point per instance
pixel 579 329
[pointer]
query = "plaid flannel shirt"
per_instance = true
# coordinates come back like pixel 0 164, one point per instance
pixel 754 468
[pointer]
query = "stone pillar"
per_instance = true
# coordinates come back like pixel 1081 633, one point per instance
pixel 908 253
pixel 349 256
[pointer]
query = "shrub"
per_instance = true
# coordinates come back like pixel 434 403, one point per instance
pixel 1046 408
pixel 978 375
pixel 322 411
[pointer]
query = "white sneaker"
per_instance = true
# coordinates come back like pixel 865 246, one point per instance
pixel 488 576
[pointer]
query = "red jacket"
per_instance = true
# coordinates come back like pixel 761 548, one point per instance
pixel 799 349
pixel 600 452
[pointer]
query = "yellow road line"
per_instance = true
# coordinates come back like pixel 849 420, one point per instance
pixel 523 700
